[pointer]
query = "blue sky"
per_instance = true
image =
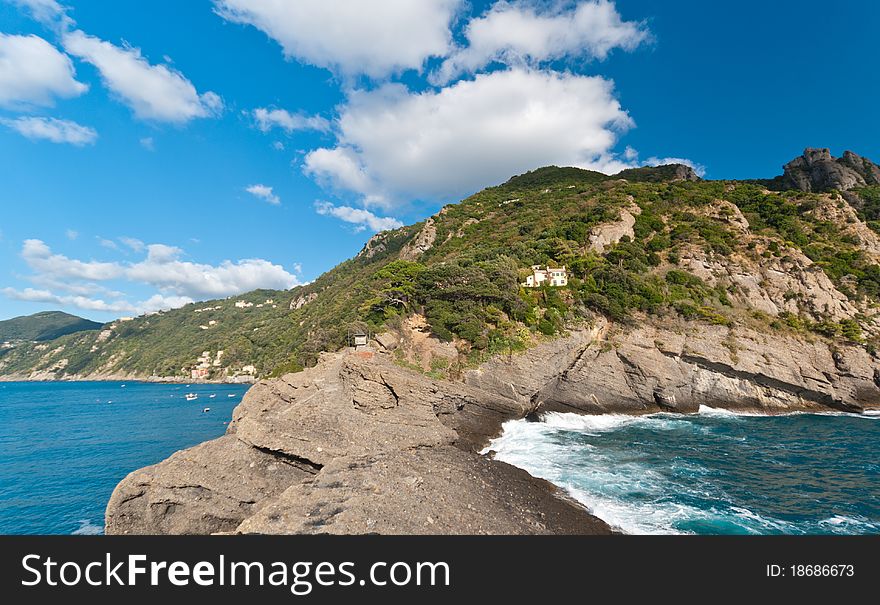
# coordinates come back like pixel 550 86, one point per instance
pixel 157 152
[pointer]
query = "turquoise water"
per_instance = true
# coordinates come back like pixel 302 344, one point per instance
pixel 712 473
pixel 65 446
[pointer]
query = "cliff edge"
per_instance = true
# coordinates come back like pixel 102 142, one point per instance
pixel 355 445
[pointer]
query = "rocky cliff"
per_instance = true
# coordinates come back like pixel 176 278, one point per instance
pixel 353 445
pixel 817 171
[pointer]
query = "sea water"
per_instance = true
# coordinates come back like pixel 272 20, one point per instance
pixel 64 446
pixel 711 473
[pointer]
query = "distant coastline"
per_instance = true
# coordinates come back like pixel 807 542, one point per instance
pixel 117 378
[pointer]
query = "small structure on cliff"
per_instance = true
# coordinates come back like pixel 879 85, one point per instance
pixel 358 339
pixel 546 275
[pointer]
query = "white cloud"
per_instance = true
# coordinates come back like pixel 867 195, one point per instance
pixel 33 72
pixel 107 243
pixel 72 234
pixel 264 193
pixel 528 33
pixel 162 269
pixel 54 130
pixel 133 243
pixel 394 144
pixel 154 303
pixel 79 302
pixel 48 12
pixel 614 163
pixel 154 92
pixel 364 219
pixel 41 259
pixel 352 37
pixel 267 119
pixel 655 161
pixel 148 143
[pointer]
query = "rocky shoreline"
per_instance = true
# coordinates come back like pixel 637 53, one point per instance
pixel 360 445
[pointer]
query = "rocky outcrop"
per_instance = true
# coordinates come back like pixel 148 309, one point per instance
pixel 421 243
pixel 816 171
pixel 302 300
pixel 608 234
pixel 354 445
pixel 440 490
pixel 787 283
pixel 207 489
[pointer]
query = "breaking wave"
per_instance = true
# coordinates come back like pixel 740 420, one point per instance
pixel 717 472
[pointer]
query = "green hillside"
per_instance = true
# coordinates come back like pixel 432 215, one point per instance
pixel 48 325
pixel 465 273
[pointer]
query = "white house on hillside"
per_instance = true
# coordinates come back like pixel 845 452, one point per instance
pixel 546 275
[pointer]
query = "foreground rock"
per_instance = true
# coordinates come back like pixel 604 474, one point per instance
pixel 354 445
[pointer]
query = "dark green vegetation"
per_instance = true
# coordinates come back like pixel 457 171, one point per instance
pixel 467 283
pixel 48 325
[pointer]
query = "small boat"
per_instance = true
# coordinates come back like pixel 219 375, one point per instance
pixel 231 395
pixel 123 386
pixel 212 397
pixel 206 410
pixel 191 396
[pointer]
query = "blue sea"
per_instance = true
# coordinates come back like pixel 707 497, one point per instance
pixel 712 473
pixel 65 446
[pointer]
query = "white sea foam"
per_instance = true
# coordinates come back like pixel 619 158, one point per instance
pixel 615 485
pixel 705 410
pixel 87 528
pixel 842 521
pixel 578 422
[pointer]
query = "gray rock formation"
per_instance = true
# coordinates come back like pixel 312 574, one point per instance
pixel 816 171
pixel 682 172
pixel 608 234
pixel 679 367
pixel 421 243
pixel 302 300
pixel 354 445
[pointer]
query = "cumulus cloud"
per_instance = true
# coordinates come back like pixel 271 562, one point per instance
pixel 164 270
pixel 154 92
pixel 41 259
pixel 352 37
pixel 267 119
pixel 178 281
pixel 152 304
pixel 395 144
pixel 48 12
pixel 528 32
pixel 52 129
pixel 33 72
pixel 264 193
pixel 363 219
